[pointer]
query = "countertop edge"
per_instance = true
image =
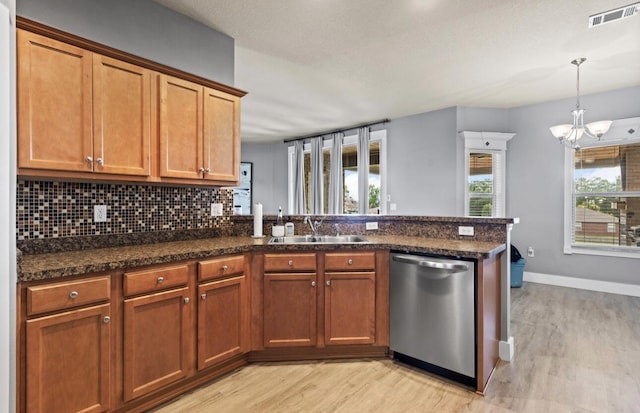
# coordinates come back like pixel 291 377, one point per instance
pixel 52 266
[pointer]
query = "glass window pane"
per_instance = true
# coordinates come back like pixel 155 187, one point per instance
pixel 374 178
pixel 480 206
pixel 481 184
pixel 307 183
pixel 350 179
pixel 607 221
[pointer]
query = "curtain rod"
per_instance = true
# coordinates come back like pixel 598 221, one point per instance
pixel 317 135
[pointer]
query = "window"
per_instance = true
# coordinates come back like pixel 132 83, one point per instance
pixel 349 154
pixel 485 154
pixel 603 199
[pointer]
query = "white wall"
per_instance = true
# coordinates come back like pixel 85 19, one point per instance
pixel 7 209
pixel 143 28
pixel 535 187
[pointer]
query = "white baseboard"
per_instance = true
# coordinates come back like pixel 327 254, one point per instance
pixel 583 284
pixel 506 349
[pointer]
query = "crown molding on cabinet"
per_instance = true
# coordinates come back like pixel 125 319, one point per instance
pixel 39 28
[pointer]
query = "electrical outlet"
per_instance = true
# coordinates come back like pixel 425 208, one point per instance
pixel 99 213
pixel 465 231
pixel 216 209
pixel 393 206
pixel 371 225
pixel 531 252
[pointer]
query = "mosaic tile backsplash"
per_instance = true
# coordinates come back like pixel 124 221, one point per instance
pixel 47 209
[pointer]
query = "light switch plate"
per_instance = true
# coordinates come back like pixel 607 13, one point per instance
pixel 99 213
pixel 465 231
pixel 216 209
pixel 371 225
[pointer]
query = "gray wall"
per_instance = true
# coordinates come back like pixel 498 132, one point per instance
pixel 535 186
pixel 424 174
pixel 422 158
pixel 269 174
pixel 143 28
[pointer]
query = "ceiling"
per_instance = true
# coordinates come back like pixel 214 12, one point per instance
pixel 315 65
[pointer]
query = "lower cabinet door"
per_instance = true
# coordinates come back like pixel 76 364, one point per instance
pixel 156 341
pixel 350 308
pixel 222 321
pixel 68 359
pixel 290 310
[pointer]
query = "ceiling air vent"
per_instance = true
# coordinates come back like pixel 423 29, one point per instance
pixel 614 15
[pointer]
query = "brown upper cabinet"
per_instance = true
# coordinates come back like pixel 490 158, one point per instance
pixel 85 113
pixel 199 131
pixel 80 111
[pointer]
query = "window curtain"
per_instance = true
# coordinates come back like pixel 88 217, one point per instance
pixel 316 176
pixel 298 187
pixel 363 170
pixel 335 176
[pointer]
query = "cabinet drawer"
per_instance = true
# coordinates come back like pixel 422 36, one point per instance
pixel 63 295
pixel 290 262
pixel 139 282
pixel 349 261
pixel 220 267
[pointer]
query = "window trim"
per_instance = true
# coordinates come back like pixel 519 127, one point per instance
pixel 379 136
pixel 570 247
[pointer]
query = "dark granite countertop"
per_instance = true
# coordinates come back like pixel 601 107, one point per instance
pixel 62 264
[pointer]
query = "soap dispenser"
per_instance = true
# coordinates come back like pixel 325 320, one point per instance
pixel 288 228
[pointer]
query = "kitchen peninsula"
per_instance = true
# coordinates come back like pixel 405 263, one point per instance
pixel 221 297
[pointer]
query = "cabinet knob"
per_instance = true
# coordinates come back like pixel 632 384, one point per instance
pixel 350 262
pixel 201 170
pixel 225 268
pixel 203 296
pixel 186 300
pixel 73 294
pixel 313 283
pixel 100 161
pixel 160 280
pixel 88 160
pixel 328 283
pixel 290 263
pixel 106 319
pixel 207 170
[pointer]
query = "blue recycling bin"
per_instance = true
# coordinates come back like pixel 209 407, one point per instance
pixel 517 269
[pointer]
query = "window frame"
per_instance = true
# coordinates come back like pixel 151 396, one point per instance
pixel 379 136
pixel 494 143
pixel 570 247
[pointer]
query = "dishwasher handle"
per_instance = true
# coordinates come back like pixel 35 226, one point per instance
pixel 436 265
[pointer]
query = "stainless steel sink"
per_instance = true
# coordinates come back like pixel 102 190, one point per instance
pixel 319 239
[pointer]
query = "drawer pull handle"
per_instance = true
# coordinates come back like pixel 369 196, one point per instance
pixel 313 283
pixel 350 262
pixel 186 300
pixel 160 280
pixel 328 283
pixel 106 319
pixel 225 268
pixel 290 263
pixel 203 296
pixel 73 294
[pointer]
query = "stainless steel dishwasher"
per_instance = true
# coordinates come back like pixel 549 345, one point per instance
pixel 432 314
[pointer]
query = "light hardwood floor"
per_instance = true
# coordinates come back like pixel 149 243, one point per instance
pixel 576 351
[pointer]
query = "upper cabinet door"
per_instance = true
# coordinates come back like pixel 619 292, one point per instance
pixel 221 136
pixel 54 104
pixel 122 111
pixel 180 128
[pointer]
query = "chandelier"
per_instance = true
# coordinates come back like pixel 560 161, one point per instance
pixel 570 134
